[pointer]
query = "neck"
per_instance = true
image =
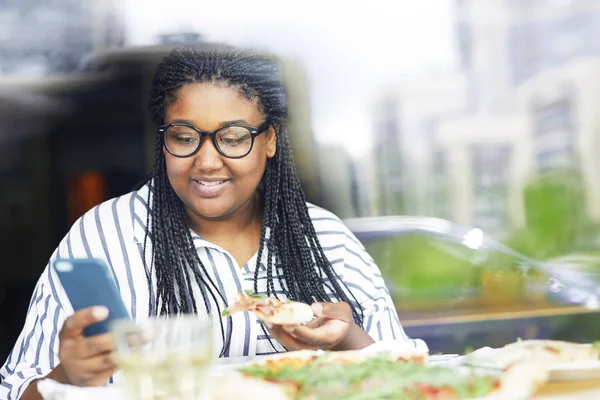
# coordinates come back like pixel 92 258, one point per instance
pixel 243 221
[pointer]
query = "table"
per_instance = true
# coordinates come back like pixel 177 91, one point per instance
pixel 569 391
pixel 581 390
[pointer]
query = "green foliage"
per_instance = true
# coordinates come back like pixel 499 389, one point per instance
pixel 555 218
pixel 427 267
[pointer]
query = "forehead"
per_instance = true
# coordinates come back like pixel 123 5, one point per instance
pixel 209 105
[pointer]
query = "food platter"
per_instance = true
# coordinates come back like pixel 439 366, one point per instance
pixel 233 381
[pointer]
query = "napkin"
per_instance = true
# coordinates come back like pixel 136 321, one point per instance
pixel 52 390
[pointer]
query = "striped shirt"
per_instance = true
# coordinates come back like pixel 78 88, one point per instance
pixel 114 232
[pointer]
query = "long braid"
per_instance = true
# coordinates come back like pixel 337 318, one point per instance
pixel 294 253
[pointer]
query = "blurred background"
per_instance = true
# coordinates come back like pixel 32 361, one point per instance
pixel 457 138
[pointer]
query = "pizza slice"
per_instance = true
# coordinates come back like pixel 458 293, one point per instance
pixel 271 309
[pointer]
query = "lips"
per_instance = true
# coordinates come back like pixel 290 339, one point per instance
pixel 210 187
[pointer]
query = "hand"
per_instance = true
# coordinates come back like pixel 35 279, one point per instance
pixel 86 361
pixel 328 331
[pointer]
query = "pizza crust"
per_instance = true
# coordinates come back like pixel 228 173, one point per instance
pixel 524 377
pixel 272 310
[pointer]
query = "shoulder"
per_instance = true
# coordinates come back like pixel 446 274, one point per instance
pixel 325 221
pixel 330 229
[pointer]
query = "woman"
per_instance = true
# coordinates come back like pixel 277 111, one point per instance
pixel 224 212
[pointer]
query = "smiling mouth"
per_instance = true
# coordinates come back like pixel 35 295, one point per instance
pixel 210 188
pixel 214 183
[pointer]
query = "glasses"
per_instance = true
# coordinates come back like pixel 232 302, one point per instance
pixel 164 358
pixel 232 141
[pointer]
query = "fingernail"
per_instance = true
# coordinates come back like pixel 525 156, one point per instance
pixel 268 325
pixel 288 328
pixel 100 312
pixel 317 308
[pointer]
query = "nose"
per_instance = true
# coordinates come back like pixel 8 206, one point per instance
pixel 208 158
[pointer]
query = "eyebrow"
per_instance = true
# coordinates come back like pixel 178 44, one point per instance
pixel 224 123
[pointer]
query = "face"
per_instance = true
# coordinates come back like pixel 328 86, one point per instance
pixel 211 185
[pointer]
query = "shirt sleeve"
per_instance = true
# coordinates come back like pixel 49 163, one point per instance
pixel 366 283
pixel 35 353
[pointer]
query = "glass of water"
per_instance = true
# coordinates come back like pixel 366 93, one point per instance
pixel 164 358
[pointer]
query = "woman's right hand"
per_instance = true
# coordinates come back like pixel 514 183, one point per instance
pixel 86 361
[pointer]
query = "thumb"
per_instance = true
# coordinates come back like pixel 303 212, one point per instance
pixel 341 311
pixel 75 324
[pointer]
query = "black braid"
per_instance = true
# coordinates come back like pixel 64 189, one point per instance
pixel 295 255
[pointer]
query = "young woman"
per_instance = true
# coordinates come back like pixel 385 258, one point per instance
pixel 223 212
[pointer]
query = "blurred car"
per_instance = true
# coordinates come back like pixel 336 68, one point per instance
pixel 434 263
pixel 574 279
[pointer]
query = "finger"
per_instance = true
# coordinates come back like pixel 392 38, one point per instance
pixel 74 325
pixel 89 378
pixel 341 311
pixel 102 378
pixel 327 335
pixel 314 323
pixel 288 341
pixel 96 345
pixel 100 363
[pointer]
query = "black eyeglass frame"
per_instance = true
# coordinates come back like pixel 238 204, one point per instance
pixel 254 132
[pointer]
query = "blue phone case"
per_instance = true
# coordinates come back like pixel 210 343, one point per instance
pixel 88 283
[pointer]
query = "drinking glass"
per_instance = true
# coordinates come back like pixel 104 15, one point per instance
pixel 164 358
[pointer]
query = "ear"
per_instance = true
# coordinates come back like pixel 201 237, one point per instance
pixel 271 142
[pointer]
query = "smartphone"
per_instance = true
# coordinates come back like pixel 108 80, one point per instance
pixel 87 282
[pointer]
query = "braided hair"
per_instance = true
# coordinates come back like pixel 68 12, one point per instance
pixel 288 236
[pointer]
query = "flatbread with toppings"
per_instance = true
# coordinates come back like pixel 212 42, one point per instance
pixel 271 309
pixel 351 375
pixel 547 351
pixel 562 360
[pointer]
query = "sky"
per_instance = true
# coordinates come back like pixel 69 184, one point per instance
pixel 350 49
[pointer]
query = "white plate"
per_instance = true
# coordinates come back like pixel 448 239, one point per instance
pixel 575 371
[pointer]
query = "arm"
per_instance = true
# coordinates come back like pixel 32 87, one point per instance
pixel 364 279
pixel 35 353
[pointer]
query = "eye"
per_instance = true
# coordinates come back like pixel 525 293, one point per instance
pixel 185 139
pixel 232 141
pixel 181 135
pixel 234 136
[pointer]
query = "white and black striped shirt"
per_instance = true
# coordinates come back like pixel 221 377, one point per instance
pixel 114 231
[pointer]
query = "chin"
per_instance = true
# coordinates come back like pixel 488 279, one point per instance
pixel 211 212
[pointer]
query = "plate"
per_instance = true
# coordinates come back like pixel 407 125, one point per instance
pixel 582 371
pixel 483 359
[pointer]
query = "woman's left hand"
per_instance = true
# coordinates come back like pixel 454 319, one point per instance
pixel 333 329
